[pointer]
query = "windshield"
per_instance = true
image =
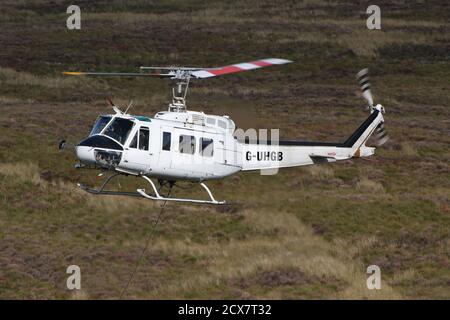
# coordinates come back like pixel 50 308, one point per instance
pixel 119 129
pixel 101 122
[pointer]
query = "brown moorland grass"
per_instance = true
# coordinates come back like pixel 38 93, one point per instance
pixel 303 233
pixel 296 247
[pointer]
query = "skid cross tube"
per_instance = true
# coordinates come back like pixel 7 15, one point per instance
pixel 158 197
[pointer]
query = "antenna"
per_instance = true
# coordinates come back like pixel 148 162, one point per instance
pixel 129 106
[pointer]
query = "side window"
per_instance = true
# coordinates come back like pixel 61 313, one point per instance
pixel 187 144
pixel 207 147
pixel 222 124
pixel 133 143
pixel 144 136
pixel 166 141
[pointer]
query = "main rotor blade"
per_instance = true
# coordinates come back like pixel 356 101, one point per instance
pixel 118 74
pixel 173 68
pixel 245 66
pixel 183 73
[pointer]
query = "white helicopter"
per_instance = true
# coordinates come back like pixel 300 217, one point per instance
pixel 181 145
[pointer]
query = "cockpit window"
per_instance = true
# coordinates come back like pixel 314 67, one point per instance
pixel 101 122
pixel 119 129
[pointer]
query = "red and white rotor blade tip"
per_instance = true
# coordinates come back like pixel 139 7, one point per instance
pixel 239 67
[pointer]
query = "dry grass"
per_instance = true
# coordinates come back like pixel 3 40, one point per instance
pixel 5 101
pixel 404 276
pixel 364 43
pixel 223 14
pixel 12 77
pixel 238 91
pixel 356 248
pixel 307 223
pixel 117 204
pixel 26 172
pixel 321 172
pixel 368 185
pixel 408 150
pixel 79 295
pixel 296 248
pixel 30 172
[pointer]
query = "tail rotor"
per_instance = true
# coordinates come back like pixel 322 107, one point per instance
pixel 380 134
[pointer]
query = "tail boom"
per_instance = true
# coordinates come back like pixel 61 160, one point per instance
pixel 259 155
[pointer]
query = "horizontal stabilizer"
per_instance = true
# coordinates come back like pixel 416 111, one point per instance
pixel 316 156
pixel 323 158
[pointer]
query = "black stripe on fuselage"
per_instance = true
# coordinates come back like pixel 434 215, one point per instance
pixel 347 144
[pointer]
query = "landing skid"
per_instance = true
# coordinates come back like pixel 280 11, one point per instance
pixel 107 192
pixel 142 193
pixel 157 196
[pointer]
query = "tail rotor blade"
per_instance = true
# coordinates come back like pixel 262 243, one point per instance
pixel 381 137
pixel 363 79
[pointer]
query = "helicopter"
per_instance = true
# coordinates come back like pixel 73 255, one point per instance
pixel 183 145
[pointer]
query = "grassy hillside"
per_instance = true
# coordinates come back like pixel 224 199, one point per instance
pixel 305 233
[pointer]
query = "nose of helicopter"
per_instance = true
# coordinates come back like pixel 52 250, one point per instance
pixel 85 154
pixel 92 151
